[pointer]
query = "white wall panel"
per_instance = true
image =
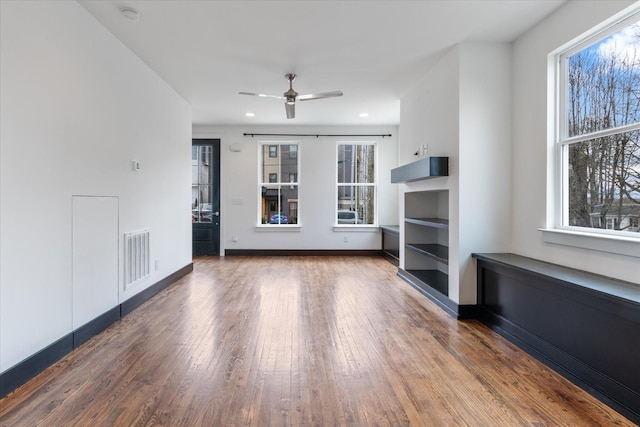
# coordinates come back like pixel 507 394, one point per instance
pixel 95 257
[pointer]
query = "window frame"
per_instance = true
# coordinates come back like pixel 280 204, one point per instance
pixel 374 185
pixel 557 230
pixel 267 153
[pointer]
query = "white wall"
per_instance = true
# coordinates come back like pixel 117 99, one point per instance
pixel 462 110
pixel 484 197
pixel 531 146
pixel 429 114
pixel 239 184
pixel 77 108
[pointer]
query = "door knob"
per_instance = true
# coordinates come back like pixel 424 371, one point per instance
pixel 216 213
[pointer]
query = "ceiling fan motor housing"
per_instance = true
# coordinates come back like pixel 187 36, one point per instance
pixel 290 94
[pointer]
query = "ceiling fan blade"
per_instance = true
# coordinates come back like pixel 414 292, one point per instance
pixel 319 95
pixel 290 108
pixel 291 96
pixel 262 95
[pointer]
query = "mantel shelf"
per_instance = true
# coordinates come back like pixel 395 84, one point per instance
pixel 427 168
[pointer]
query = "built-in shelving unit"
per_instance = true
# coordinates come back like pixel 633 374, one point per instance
pixel 426 248
pixel 425 227
pixel 434 251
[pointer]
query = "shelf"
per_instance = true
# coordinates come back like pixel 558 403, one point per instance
pixel 429 222
pixel 427 168
pixel 433 278
pixel 437 252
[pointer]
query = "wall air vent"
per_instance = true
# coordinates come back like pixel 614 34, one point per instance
pixel 137 262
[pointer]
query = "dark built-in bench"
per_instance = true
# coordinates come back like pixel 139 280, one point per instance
pixel 585 326
pixel 391 243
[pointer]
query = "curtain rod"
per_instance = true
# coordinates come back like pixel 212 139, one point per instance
pixel 307 134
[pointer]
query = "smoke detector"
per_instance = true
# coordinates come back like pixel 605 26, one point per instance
pixel 130 14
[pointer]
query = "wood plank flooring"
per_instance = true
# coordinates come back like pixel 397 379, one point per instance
pixel 298 341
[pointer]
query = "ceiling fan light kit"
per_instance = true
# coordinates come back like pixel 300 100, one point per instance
pixel 290 108
pixel 290 96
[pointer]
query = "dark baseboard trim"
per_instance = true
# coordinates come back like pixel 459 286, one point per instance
pixel 460 312
pixel 32 366
pixel 301 252
pixel 135 301
pixel 467 312
pixel 38 362
pixel 392 259
pixel 95 326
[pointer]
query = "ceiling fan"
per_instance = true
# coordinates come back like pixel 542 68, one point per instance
pixel 291 96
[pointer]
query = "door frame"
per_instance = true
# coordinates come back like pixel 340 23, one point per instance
pixel 202 249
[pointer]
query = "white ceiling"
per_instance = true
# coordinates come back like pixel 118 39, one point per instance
pixel 373 51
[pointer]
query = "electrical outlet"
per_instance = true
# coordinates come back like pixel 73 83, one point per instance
pixel 425 149
pixel 346 239
pixel 234 238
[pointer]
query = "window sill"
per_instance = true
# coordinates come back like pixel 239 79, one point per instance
pixel 280 227
pixel 349 227
pixel 620 245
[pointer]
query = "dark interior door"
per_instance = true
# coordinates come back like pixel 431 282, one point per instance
pixel 205 196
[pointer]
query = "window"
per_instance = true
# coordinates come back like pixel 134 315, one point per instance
pixel 278 200
pixel 201 189
pixel 598 132
pixel 356 184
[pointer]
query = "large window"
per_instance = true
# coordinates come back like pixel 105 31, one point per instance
pixel 356 184
pixel 278 199
pixel 598 132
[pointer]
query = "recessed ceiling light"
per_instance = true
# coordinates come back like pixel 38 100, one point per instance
pixel 250 114
pixel 130 14
pixel 364 114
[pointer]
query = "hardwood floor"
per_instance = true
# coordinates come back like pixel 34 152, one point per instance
pixel 298 341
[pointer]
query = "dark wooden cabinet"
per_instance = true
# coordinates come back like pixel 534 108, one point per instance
pixel 391 243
